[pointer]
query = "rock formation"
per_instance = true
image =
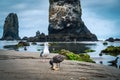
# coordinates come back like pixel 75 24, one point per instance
pixel 11 26
pixel 111 39
pixel 65 23
pixel 39 37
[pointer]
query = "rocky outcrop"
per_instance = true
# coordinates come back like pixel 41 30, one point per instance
pixel 111 39
pixel 65 23
pixel 39 37
pixel 11 27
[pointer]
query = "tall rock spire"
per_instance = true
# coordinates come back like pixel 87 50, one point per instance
pixel 65 23
pixel 11 27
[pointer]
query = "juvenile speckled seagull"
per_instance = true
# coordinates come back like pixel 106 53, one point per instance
pixel 55 62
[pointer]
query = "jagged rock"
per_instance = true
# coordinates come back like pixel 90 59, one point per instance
pixel 11 26
pixel 65 23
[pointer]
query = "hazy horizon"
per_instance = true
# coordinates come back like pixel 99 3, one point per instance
pixel 101 17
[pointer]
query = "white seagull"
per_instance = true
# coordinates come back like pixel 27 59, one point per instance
pixel 45 52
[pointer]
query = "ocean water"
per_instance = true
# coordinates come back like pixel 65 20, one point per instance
pixel 76 47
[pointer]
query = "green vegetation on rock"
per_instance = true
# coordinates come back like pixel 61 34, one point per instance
pixel 89 50
pixel 55 51
pixel 53 44
pixel 112 50
pixel 79 57
pixel 22 44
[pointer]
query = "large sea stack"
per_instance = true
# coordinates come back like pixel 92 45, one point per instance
pixel 11 27
pixel 65 23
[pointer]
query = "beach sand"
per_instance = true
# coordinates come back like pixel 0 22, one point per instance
pixel 29 66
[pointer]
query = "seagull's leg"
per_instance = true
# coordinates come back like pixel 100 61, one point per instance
pixel 58 65
pixel 42 58
pixel 116 65
pixel 54 66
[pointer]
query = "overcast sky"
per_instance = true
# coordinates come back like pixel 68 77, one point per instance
pixel 102 17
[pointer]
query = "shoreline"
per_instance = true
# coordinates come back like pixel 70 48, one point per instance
pixel 29 66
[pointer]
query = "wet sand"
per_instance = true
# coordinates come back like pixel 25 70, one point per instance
pixel 29 66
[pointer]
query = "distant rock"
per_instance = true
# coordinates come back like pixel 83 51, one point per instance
pixel 25 38
pixel 11 27
pixel 117 39
pixel 65 23
pixel 111 39
pixel 39 37
pixel 22 43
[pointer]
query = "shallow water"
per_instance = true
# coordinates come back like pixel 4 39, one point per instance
pixel 76 47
